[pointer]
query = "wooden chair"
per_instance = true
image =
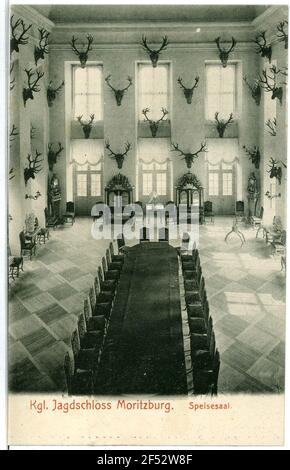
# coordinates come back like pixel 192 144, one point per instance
pixel 109 273
pixel 99 306
pixel 205 381
pixel 97 323
pixel 43 235
pixel 257 221
pixel 69 215
pixel 106 284
pixel 112 265
pixel 208 211
pixel 163 235
pixel 201 341
pixel 78 382
pixel 122 248
pixel 118 258
pixel 279 244
pixel 240 210
pixel 26 246
pixel 84 359
pixel 89 339
pixel 198 315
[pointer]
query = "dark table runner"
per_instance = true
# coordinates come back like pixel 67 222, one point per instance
pixel 144 345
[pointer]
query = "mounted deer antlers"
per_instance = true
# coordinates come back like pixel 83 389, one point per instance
pixel 83 56
pixel 188 92
pixel 223 53
pixel 282 35
pixel 51 92
pixel 264 49
pixel 254 155
pixel 154 54
pixel 277 91
pixel 33 167
pixel 272 126
pixel 42 47
pixel 275 170
pixel 189 157
pixel 221 125
pixel 256 91
pixel 119 157
pixel 33 86
pixel 11 174
pixel 119 93
pixel 87 126
pixel 52 155
pixel 154 124
pixel 15 42
pixel 13 133
pixel 12 81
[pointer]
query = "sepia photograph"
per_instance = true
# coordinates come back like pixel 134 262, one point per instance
pixel 146 185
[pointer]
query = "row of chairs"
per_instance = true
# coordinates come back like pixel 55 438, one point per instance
pixel 88 339
pixel 205 357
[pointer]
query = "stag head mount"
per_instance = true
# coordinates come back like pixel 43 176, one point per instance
pixel 270 83
pixel 275 171
pixel 119 157
pixel 188 156
pixel 33 167
pixel 188 92
pixel 282 34
pixel 271 125
pixel 42 48
pixel 32 84
pixel 86 125
pixel 51 93
pixel 18 31
pixel 154 124
pixel 254 155
pixel 119 93
pixel 154 54
pixel 224 53
pixel 221 124
pixel 255 89
pixel 264 49
pixel 53 154
pixel 82 55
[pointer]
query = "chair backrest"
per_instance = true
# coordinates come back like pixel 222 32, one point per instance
pixel 97 285
pixel 144 235
pixel 70 206
pixel 75 342
pixel 68 370
pixel 87 311
pixel 261 212
pixel 283 237
pixel 120 240
pixel 209 331
pixel 201 287
pixel 277 222
pixel 111 248
pixel 208 206
pixel 81 326
pixel 185 241
pixel 216 369
pixel 240 206
pixel 92 298
pixel 212 345
pixel 104 265
pixel 108 257
pixel 205 308
pixel 100 274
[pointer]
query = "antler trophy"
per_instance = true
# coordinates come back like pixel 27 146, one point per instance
pixel 87 126
pixel 42 47
pixel 52 93
pixel 221 125
pixel 189 157
pixel 15 41
pixel 33 86
pixel 282 35
pixel 223 53
pixel 119 157
pixel 33 167
pixel 264 49
pixel 52 155
pixel 119 93
pixel 254 155
pixel 275 170
pixel 83 56
pixel 13 133
pixel 277 91
pixel 188 92
pixel 154 124
pixel 154 54
pixel 255 89
pixel 272 126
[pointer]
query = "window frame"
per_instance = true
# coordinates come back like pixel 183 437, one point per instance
pixel 75 66
pixel 235 92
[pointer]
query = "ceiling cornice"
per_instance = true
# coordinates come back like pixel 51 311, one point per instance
pixel 30 14
pixel 273 12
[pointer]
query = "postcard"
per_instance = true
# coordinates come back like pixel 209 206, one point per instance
pixel 147 175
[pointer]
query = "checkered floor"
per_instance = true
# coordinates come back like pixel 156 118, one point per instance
pixel 245 287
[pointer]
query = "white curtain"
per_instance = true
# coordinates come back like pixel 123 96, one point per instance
pixel 222 150
pixel 153 150
pixel 86 151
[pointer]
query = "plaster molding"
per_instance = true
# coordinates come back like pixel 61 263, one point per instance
pixel 272 14
pixel 30 14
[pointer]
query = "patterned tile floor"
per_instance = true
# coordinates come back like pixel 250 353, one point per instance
pixel 245 287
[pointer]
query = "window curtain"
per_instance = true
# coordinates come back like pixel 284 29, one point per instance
pixel 222 151
pixel 154 150
pixel 87 152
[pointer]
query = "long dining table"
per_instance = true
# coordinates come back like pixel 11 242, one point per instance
pixel 144 352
